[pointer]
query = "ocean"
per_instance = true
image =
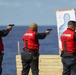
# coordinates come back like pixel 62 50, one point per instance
pixel 48 46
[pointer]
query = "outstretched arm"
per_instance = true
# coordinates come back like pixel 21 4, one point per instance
pixel 5 32
pixel 42 35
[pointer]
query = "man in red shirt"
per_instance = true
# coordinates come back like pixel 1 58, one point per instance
pixel 68 54
pixel 3 33
pixel 30 54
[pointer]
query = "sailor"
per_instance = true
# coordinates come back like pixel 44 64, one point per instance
pixel 68 54
pixel 3 33
pixel 30 54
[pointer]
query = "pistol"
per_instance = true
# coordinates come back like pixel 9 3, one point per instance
pixel 49 29
pixel 11 25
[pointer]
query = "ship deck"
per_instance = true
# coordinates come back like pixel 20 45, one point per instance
pixel 48 65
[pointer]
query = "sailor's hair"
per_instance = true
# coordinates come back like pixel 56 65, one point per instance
pixel 72 23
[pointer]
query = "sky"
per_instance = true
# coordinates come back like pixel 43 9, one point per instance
pixel 25 12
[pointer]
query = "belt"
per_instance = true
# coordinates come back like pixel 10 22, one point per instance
pixel 64 54
pixel 30 50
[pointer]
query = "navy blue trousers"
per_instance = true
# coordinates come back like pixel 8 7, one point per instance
pixel 69 66
pixel 30 60
pixel 1 59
